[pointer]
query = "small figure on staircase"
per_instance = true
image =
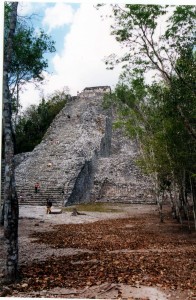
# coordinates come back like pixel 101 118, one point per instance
pixel 37 186
pixel 48 206
pixel 21 198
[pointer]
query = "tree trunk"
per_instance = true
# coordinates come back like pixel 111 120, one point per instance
pixel 193 199
pixel 10 196
pixel 177 203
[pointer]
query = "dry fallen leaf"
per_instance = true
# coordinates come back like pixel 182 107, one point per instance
pixel 154 256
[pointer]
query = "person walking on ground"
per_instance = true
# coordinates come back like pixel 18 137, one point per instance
pixel 37 186
pixel 48 206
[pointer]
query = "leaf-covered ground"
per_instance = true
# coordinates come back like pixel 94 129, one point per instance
pixel 136 251
pixel 131 251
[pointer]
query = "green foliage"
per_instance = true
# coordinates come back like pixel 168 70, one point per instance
pixel 161 116
pixel 32 125
pixel 28 61
pixel 163 121
pixel 150 47
pixel 182 23
pixel 29 47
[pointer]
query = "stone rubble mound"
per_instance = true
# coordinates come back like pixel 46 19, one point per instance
pixel 78 160
pixel 118 178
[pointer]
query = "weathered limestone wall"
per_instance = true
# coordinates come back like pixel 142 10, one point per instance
pixel 84 182
pixel 18 158
pixel 66 159
pixel 118 178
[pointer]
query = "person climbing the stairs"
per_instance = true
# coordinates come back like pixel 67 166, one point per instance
pixel 37 186
pixel 48 206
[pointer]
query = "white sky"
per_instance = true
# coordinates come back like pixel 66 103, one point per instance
pixel 79 63
pixel 58 15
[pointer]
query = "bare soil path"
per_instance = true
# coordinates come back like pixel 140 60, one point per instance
pixel 127 254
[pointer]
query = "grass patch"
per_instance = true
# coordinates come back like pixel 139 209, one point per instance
pixel 93 207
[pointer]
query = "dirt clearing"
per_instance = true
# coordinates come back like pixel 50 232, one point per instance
pixel 127 254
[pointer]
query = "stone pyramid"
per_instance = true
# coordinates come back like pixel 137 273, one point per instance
pixel 78 161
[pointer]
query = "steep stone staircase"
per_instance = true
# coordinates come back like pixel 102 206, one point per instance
pixel 64 162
